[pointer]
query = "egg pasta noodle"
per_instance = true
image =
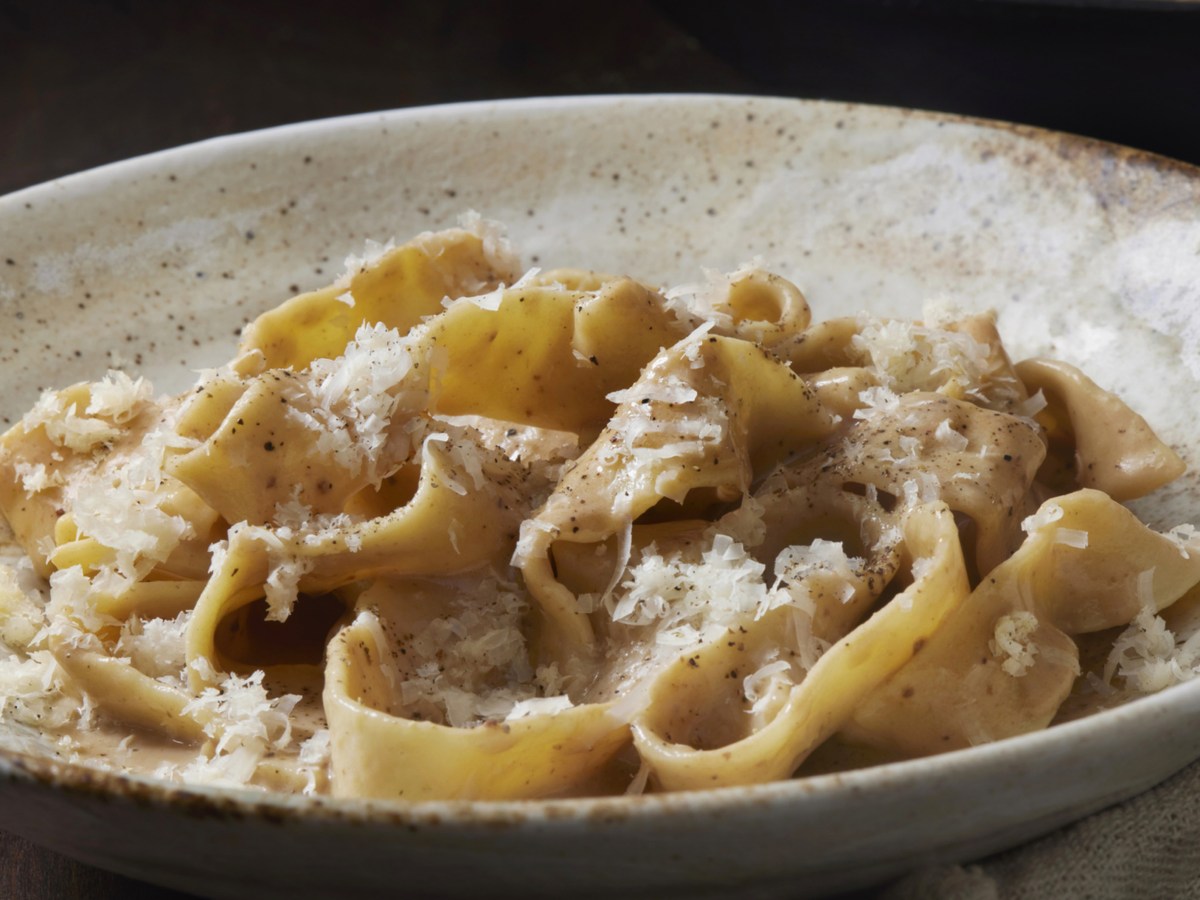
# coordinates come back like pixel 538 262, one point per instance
pixel 451 530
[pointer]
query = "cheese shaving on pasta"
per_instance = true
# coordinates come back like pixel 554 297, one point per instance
pixel 453 528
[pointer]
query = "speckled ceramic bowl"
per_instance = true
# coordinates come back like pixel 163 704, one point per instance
pixel 1089 252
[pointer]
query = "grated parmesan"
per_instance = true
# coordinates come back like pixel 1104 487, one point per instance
pixel 156 646
pixel 757 686
pixel 908 356
pixel 1012 642
pixel 948 437
pixel 1049 513
pixel 1072 537
pixel 1149 657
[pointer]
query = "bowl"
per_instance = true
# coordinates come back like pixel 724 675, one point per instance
pixel 1087 251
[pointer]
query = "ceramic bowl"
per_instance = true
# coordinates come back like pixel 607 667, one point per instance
pixel 1089 252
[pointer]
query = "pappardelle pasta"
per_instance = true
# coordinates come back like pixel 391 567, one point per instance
pixel 445 530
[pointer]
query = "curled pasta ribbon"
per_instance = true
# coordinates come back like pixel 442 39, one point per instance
pixel 382 746
pixel 697 730
pixel 798 509
pixel 902 449
pixel 262 454
pixel 444 528
pixel 706 417
pixel 1003 663
pixel 396 290
pixel 1096 441
pixel 374 755
pixel 546 356
pixel 762 307
pixel 128 695
pixel 541 356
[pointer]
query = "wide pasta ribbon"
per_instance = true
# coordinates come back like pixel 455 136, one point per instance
pixel 698 731
pixel 1095 439
pixel 396 289
pixel 382 746
pixel 707 416
pixel 451 524
pixel 1004 662
pixel 320 435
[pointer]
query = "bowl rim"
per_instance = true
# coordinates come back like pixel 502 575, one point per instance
pixel 86 178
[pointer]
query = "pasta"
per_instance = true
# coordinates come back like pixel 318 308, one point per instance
pixel 445 530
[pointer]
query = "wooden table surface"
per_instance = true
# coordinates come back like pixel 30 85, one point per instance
pixel 85 83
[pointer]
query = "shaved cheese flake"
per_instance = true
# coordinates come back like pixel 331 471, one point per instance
pixel 1186 538
pixel 910 447
pixel 941 310
pixel 492 300
pixel 130 522
pixel 946 435
pixel 877 401
pixel 283 585
pixel 79 433
pixel 1049 513
pixel 314 757
pixel 1029 408
pixel 1148 656
pixel 118 397
pixel 155 646
pixel 22 615
pixel 757 687
pixel 350 401
pixel 496 247
pixel 909 356
pixel 821 557
pixel 34 691
pixel 232 769
pixel 1013 643
pixel 538 706
pixel 923 487
pixel 372 253
pixel 35 479
pixel 1072 537
pixel 705 302
pixel 113 402
pixel 293 514
pixel 315 750
pixel 241 715
pixel 70 606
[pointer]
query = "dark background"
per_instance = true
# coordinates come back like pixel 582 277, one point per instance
pixel 85 83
